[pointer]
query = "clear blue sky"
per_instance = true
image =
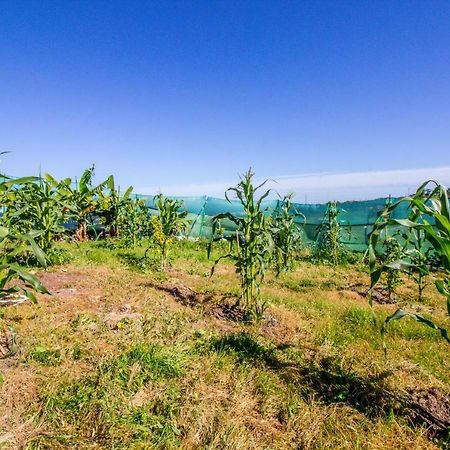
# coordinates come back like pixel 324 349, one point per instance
pixel 174 93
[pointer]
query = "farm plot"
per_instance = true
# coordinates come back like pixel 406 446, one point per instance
pixel 121 356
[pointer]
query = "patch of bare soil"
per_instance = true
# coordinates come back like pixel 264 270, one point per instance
pixel 182 294
pixel 116 319
pixel 228 310
pixel 432 407
pixel 219 307
pixel 8 345
pixel 380 296
pixel 280 325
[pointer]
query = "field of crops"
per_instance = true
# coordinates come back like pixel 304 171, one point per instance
pixel 124 334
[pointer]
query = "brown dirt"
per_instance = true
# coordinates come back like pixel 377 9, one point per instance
pixel 380 296
pixel 7 342
pixel 360 290
pixel 182 294
pixel 432 407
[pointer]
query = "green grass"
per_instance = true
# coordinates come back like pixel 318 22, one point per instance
pixel 175 376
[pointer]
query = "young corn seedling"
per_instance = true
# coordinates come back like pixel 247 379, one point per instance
pixel 429 214
pixel 250 246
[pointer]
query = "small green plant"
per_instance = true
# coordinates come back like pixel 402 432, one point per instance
pixel 286 235
pixel 419 253
pixel 251 246
pixel 167 224
pixel 327 245
pixel 429 212
pixel 12 245
pixel 45 356
pixel 392 251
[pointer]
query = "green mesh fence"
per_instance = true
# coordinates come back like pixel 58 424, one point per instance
pixel 356 216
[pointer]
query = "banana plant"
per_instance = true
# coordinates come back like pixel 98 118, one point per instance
pixel 251 246
pixel 430 215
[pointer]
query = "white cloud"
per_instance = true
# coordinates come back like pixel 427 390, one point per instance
pixel 321 187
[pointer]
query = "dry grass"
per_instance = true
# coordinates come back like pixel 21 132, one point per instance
pixel 312 377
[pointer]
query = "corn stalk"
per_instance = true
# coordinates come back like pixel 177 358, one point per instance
pixel 327 245
pixel 81 200
pixel 430 215
pixel 286 235
pixel 251 245
pixel 35 205
pixel 109 205
pixel 12 245
pixel 167 224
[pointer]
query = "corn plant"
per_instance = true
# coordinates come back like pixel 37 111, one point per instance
pixel 15 280
pixel 286 235
pixel 82 201
pixel 327 245
pixel 419 253
pixel 430 214
pixel 251 246
pixel 109 205
pixel 133 222
pixel 12 245
pixel 37 205
pixel 392 251
pixel 167 224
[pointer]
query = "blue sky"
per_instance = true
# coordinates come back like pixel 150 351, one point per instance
pixel 183 96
